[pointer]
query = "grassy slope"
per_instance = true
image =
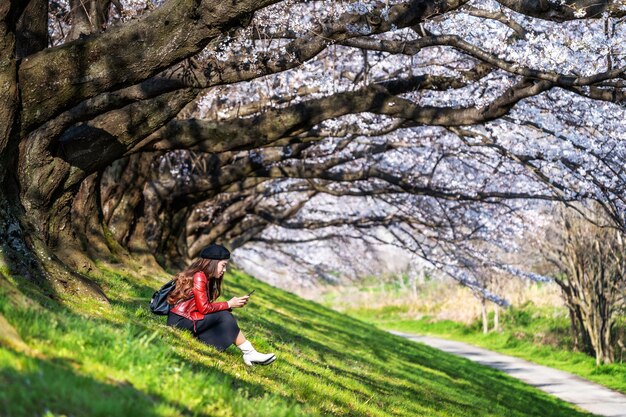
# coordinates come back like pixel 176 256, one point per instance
pixel 538 335
pixel 87 359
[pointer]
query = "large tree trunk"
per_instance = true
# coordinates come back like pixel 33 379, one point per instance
pixel 24 252
pixel 25 249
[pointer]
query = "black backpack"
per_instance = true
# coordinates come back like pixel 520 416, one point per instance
pixel 158 303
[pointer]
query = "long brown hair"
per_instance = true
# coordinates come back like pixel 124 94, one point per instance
pixel 184 281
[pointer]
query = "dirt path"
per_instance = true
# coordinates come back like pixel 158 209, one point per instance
pixel 571 388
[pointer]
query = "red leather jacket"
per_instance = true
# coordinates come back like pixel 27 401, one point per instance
pixel 196 307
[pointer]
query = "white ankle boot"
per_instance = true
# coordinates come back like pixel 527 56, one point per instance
pixel 252 357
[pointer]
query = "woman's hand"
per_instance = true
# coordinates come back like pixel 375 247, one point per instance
pixel 237 302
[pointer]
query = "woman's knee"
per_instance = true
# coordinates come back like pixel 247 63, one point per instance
pixel 228 321
pixel 225 316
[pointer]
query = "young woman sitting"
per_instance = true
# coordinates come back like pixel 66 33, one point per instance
pixel 194 306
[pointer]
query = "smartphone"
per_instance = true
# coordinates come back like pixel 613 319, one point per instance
pixel 250 293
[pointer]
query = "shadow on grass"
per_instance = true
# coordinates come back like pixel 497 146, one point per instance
pixel 329 363
pixel 355 351
pixel 54 385
pixel 64 379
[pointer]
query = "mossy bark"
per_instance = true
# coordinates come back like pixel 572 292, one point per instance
pixel 26 255
pixel 8 86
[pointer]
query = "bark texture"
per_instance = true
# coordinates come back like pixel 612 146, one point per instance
pixel 592 260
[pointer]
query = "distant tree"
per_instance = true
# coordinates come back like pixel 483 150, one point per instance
pixel 590 263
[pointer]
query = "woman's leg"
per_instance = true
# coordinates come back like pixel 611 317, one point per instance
pixel 221 330
pixel 250 354
pixel 218 329
pixel 240 338
pixel 175 320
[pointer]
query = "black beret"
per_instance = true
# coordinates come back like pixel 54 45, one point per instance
pixel 214 251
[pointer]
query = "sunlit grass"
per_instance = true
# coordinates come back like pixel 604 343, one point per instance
pixel 87 358
pixel 538 335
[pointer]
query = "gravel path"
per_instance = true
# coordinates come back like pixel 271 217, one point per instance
pixel 571 388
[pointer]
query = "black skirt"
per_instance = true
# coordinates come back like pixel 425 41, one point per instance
pixel 217 329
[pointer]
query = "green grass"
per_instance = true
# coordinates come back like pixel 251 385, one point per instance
pixel 538 335
pixel 89 359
